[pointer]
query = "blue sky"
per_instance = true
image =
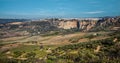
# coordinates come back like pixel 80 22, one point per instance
pixel 58 8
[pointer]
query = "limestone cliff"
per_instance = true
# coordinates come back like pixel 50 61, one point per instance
pixel 83 25
pixel 45 26
pixel 90 25
pixel 87 25
pixel 68 24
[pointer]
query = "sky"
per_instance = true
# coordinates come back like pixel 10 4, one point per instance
pixel 58 8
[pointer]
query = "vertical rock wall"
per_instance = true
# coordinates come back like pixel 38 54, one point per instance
pixel 68 24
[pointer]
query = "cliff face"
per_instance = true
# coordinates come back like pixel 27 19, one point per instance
pixel 87 25
pixel 91 25
pixel 67 24
pixel 41 27
pixel 108 23
pixel 82 25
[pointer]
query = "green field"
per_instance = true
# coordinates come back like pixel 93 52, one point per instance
pixel 97 47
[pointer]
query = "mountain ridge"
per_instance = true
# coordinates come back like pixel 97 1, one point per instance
pixel 59 25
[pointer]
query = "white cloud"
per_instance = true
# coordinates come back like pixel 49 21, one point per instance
pixel 94 12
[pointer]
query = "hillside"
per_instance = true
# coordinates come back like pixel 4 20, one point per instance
pixel 41 27
pixel 92 47
pixel 61 41
pixel 100 51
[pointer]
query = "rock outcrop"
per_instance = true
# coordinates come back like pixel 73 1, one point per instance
pixel 68 24
pixel 48 25
pixel 91 25
pixel 87 25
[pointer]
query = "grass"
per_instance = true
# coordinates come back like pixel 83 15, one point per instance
pixel 74 39
pixel 51 34
pixel 40 53
pixel 25 48
pixel 72 51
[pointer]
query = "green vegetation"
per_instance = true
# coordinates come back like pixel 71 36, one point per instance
pixel 86 52
pixel 26 54
pixel 109 52
pixel 77 38
pixel 17 53
pixel 61 32
pixel 51 34
pixel 99 51
pixel 74 39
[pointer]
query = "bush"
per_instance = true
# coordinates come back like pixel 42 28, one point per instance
pixel 109 52
pixel 31 55
pixel 74 39
pixel 17 53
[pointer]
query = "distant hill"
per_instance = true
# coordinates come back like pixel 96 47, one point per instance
pixel 4 21
pixel 19 27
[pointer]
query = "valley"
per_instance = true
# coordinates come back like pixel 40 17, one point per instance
pixel 59 31
pixel 61 41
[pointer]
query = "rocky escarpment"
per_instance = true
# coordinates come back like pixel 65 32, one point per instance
pixel 49 25
pixel 68 24
pixel 83 25
pixel 87 25
pixel 91 25
pixel 108 24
